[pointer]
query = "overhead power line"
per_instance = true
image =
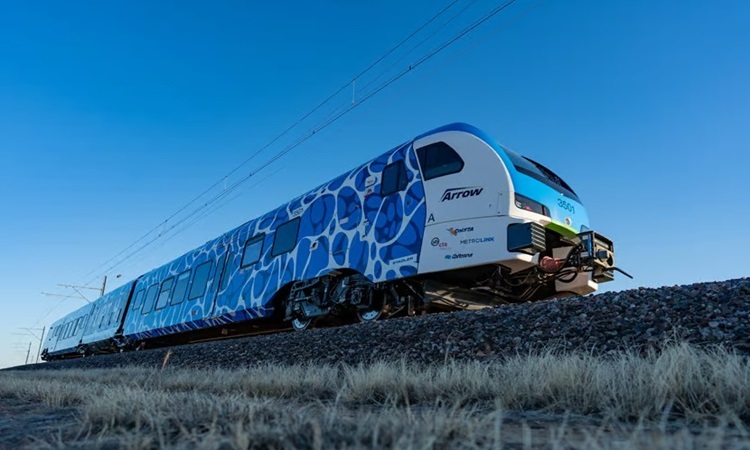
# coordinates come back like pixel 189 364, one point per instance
pixel 277 137
pixel 312 132
pixel 330 121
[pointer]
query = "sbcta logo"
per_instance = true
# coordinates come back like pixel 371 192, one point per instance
pixel 456 231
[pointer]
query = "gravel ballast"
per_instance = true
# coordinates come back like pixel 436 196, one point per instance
pixel 703 314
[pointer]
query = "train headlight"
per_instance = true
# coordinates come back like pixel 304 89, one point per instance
pixel 528 204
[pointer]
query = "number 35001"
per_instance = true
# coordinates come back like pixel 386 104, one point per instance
pixel 566 206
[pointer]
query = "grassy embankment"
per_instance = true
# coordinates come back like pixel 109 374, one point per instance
pixel 681 398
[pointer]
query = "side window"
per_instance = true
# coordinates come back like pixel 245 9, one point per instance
pixel 166 289
pixel 180 287
pixel 285 238
pixel 200 279
pixel 138 301
pixel 224 272
pixel 438 160
pixel 253 250
pixel 148 304
pixel 394 178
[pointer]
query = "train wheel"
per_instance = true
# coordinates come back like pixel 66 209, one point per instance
pixel 379 306
pixel 300 324
pixel 371 315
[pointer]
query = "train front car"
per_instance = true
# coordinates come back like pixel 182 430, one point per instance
pixel 501 227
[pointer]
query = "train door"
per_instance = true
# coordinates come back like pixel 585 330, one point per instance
pixel 390 237
pixel 221 279
pixel 465 190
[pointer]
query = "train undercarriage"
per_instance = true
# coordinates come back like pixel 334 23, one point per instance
pixel 563 267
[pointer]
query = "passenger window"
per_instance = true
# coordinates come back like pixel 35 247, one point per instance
pixel 148 304
pixel 180 288
pixel 166 289
pixel 394 178
pixel 285 238
pixel 253 250
pixel 138 301
pixel 438 160
pixel 200 279
pixel 224 273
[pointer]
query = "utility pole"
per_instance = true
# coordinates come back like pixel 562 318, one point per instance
pixel 31 331
pixel 27 354
pixel 77 289
pixel 39 352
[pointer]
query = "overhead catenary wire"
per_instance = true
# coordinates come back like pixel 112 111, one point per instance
pixel 279 136
pixel 224 178
pixel 419 44
pixel 312 132
pixel 225 201
pixel 336 117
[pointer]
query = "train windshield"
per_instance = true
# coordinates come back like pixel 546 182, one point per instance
pixel 537 171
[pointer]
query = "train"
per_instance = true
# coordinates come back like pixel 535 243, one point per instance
pixel 447 220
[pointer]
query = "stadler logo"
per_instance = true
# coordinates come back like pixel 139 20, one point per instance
pixel 455 231
pixel 462 192
pixel 459 256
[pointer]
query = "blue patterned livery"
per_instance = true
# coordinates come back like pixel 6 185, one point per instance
pixel 450 219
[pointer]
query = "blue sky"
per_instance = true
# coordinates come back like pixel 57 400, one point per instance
pixel 113 115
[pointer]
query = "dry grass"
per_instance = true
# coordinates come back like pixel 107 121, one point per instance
pixel 681 398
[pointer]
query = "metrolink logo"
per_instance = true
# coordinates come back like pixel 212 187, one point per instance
pixel 462 192
pixel 477 240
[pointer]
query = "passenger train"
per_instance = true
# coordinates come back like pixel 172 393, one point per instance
pixel 449 219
